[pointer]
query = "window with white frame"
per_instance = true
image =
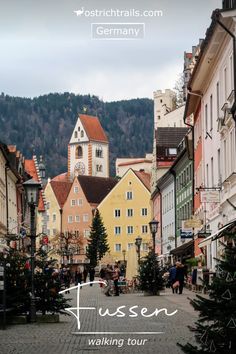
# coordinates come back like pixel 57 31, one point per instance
pixel 48 217
pixel 144 229
pixel 87 233
pixel 144 212
pixel 99 168
pixel 211 113
pixel 218 99
pixel 77 218
pixel 225 84
pixel 48 232
pixel 129 212
pixel 212 172
pixel 129 246
pixel 129 195
pixel 54 217
pixel 130 230
pixel 117 213
pixel 118 247
pixel 73 202
pixel 85 217
pixel 54 232
pixel 206 120
pixel 117 230
pixel 80 202
pixel 70 219
pixel 48 205
pixel 144 247
pixel 76 189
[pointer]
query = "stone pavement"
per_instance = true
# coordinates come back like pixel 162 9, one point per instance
pixel 59 339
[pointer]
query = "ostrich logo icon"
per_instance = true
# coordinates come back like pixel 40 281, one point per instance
pixel 79 12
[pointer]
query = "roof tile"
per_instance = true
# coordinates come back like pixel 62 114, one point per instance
pixel 93 128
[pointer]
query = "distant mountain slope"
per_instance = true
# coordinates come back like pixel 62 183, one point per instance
pixel 43 125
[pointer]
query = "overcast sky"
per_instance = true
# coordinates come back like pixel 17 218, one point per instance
pixel 46 48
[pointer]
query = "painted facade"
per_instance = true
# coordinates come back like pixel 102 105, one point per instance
pixel 88 149
pixel 126 214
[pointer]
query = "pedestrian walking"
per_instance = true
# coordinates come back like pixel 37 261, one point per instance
pixel 116 276
pixel 78 276
pixel 91 275
pixel 85 274
pixel 172 276
pixel 180 274
pixel 108 278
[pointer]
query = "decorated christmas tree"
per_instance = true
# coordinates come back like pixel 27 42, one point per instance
pixel 150 275
pixel 17 280
pixel 98 245
pixel 47 286
pixel 215 329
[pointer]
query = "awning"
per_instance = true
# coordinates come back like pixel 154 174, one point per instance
pixel 186 249
pixel 217 234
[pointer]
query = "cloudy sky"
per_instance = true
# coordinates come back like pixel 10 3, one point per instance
pixel 46 47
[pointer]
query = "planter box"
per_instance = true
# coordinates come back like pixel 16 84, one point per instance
pixel 48 318
pixel 16 319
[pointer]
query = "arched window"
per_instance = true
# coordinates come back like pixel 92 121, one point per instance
pixel 76 135
pixel 79 152
pixel 82 133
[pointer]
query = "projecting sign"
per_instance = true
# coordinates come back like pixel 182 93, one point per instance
pixel 186 234
pixel 192 224
pixel 210 196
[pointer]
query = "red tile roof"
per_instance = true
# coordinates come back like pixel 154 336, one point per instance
pixel 61 191
pixel 145 178
pixel 134 162
pixel 93 128
pixel 32 171
pixel 63 177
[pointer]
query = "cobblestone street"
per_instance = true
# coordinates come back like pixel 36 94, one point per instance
pixel 58 338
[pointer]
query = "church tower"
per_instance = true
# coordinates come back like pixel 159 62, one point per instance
pixel 88 149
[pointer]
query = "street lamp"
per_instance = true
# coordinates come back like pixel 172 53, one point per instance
pixel 32 189
pixel 153 228
pixel 138 242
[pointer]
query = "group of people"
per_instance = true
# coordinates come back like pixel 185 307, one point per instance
pixel 177 275
pixel 111 275
pixel 79 276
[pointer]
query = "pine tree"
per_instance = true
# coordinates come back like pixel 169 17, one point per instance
pixel 150 274
pixel 98 245
pixel 17 282
pixel 47 286
pixel 215 329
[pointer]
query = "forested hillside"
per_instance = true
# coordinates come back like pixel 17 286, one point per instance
pixel 43 125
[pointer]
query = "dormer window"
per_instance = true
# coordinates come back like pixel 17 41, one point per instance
pixel 79 152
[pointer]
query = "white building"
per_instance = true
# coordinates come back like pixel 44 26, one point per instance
pixel 211 86
pixel 88 149
pixel 137 164
pixel 166 187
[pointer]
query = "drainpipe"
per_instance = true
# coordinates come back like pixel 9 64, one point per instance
pixel 233 109
pixel 175 205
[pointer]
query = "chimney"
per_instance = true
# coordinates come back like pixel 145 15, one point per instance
pixel 229 4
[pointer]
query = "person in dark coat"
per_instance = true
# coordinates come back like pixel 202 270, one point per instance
pixel 78 276
pixel 91 275
pixel 85 274
pixel 180 274
pixel 172 276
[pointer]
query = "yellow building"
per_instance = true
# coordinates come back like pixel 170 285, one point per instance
pixel 126 213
